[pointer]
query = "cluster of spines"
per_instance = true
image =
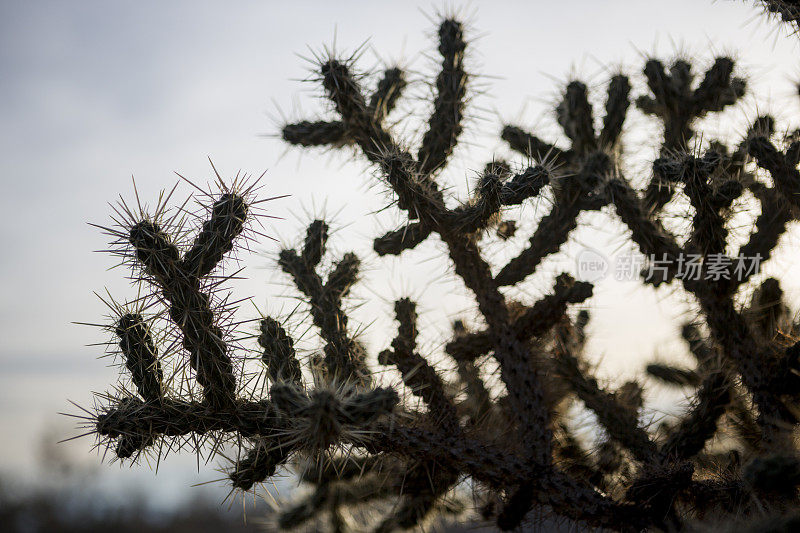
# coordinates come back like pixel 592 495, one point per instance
pixel 787 10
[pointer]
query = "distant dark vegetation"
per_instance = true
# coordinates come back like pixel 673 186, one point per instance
pixel 62 511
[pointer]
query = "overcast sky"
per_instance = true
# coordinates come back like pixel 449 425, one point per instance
pixel 93 93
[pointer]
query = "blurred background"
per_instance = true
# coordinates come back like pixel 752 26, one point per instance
pixel 93 93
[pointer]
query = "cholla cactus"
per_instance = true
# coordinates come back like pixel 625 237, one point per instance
pixel 361 445
pixel 787 10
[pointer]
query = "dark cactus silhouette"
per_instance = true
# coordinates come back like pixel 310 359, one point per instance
pixel 511 454
pixel 787 10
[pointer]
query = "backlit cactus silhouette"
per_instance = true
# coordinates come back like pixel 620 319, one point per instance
pixel 787 10
pixel 509 453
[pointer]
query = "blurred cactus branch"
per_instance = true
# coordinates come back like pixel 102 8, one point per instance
pixel 678 106
pixel 498 469
pixel 726 324
pixel 619 420
pixel 781 165
pixel 344 358
pixel 532 322
pixel 417 373
pixel 268 453
pixel 581 169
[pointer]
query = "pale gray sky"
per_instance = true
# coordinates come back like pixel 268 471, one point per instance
pixel 94 92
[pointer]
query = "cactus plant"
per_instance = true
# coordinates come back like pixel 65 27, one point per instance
pixel 444 445
pixel 787 10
